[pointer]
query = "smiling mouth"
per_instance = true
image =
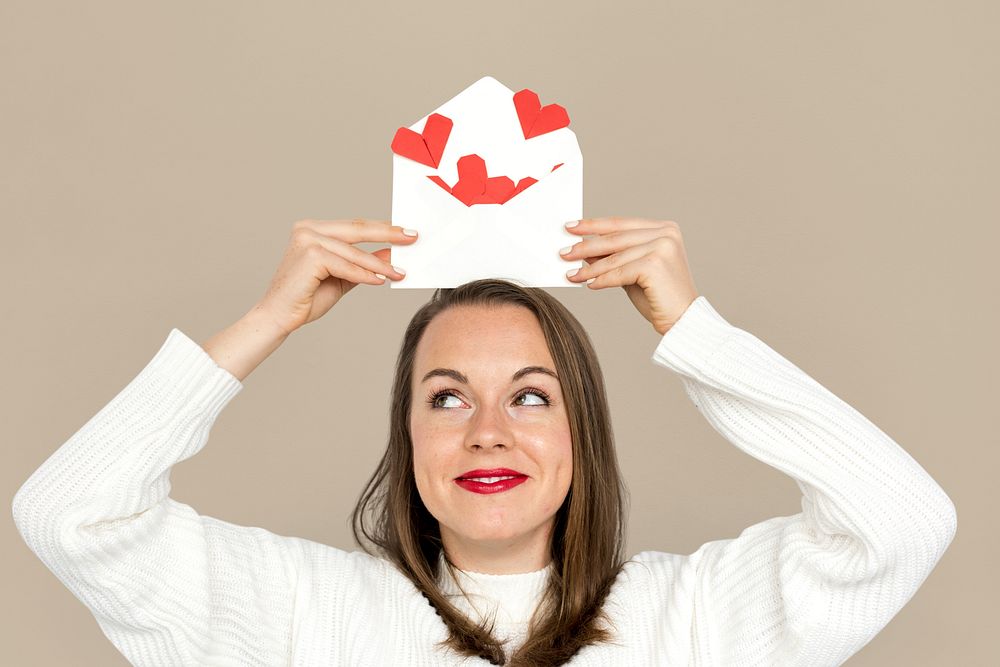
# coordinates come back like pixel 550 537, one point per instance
pixel 489 485
pixel 489 474
pixel 490 480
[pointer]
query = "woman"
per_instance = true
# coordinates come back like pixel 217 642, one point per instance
pixel 496 514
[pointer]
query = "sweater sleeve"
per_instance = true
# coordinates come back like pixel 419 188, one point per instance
pixel 813 588
pixel 166 585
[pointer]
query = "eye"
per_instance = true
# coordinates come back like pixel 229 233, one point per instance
pixel 534 392
pixel 444 393
pixel 433 398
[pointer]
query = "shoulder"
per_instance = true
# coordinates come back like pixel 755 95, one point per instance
pixel 659 564
pixel 323 562
pixel 653 590
pixel 656 575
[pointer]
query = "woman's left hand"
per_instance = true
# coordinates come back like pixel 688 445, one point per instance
pixel 644 257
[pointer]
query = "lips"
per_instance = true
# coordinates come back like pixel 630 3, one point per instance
pixel 492 481
pixel 492 472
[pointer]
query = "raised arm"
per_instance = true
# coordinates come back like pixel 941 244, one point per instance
pixel 166 585
pixel 813 588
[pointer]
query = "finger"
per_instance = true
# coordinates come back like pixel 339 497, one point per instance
pixel 359 230
pixel 619 276
pixel 612 242
pixel 385 254
pixel 340 267
pixel 615 223
pixel 609 262
pixel 356 255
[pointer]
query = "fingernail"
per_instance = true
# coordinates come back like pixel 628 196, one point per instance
pixel 381 277
pixel 572 223
pixel 410 232
pixel 565 250
pixel 399 270
pixel 571 273
pixel 590 280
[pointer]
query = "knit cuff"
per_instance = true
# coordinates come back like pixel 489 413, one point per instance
pixel 693 338
pixel 194 372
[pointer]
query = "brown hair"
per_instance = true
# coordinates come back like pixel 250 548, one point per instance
pixel 589 533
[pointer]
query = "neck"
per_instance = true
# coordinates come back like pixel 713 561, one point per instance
pixel 526 553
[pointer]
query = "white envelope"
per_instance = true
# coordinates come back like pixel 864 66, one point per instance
pixel 518 240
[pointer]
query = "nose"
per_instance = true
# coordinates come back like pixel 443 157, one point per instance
pixel 489 429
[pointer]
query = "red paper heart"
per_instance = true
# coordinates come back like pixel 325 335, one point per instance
pixel 440 181
pixel 426 147
pixel 524 183
pixel 499 189
pixel 472 168
pixel 475 187
pixel 535 119
pixel 471 180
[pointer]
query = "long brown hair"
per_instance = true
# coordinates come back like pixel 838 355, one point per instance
pixel 589 532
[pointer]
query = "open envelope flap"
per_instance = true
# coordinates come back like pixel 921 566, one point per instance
pixel 441 220
pixel 486 123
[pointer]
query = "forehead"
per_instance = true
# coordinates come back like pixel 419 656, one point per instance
pixel 505 335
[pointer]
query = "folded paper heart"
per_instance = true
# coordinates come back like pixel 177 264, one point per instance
pixel 426 147
pixel 474 186
pixel 535 119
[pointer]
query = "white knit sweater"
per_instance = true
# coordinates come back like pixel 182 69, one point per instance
pixel 169 586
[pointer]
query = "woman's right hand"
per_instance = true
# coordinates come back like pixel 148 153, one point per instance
pixel 321 265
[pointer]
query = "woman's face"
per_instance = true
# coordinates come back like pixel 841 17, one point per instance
pixel 491 419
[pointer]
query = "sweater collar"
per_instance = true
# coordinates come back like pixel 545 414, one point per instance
pixel 513 596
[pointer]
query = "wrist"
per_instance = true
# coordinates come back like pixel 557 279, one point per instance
pixel 261 319
pixel 243 345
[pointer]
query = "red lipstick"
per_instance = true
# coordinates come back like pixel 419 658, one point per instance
pixel 484 482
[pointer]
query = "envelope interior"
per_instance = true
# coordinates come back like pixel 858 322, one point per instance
pixel 486 124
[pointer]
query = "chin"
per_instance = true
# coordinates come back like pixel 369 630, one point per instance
pixel 491 532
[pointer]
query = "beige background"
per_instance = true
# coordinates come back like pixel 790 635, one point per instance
pixel 833 167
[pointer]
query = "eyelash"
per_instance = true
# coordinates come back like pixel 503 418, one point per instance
pixel 432 399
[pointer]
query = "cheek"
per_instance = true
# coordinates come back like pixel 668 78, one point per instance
pixel 556 453
pixel 565 456
pixel 563 482
pixel 563 450
pixel 430 461
pixel 565 466
pixel 428 487
pixel 421 439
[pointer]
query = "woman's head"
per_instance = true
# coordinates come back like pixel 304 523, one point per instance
pixel 487 331
pixel 485 395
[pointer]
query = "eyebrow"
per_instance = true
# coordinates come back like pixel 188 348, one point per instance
pixel 460 377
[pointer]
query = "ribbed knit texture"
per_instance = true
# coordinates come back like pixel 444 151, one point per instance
pixel 509 599
pixel 169 586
